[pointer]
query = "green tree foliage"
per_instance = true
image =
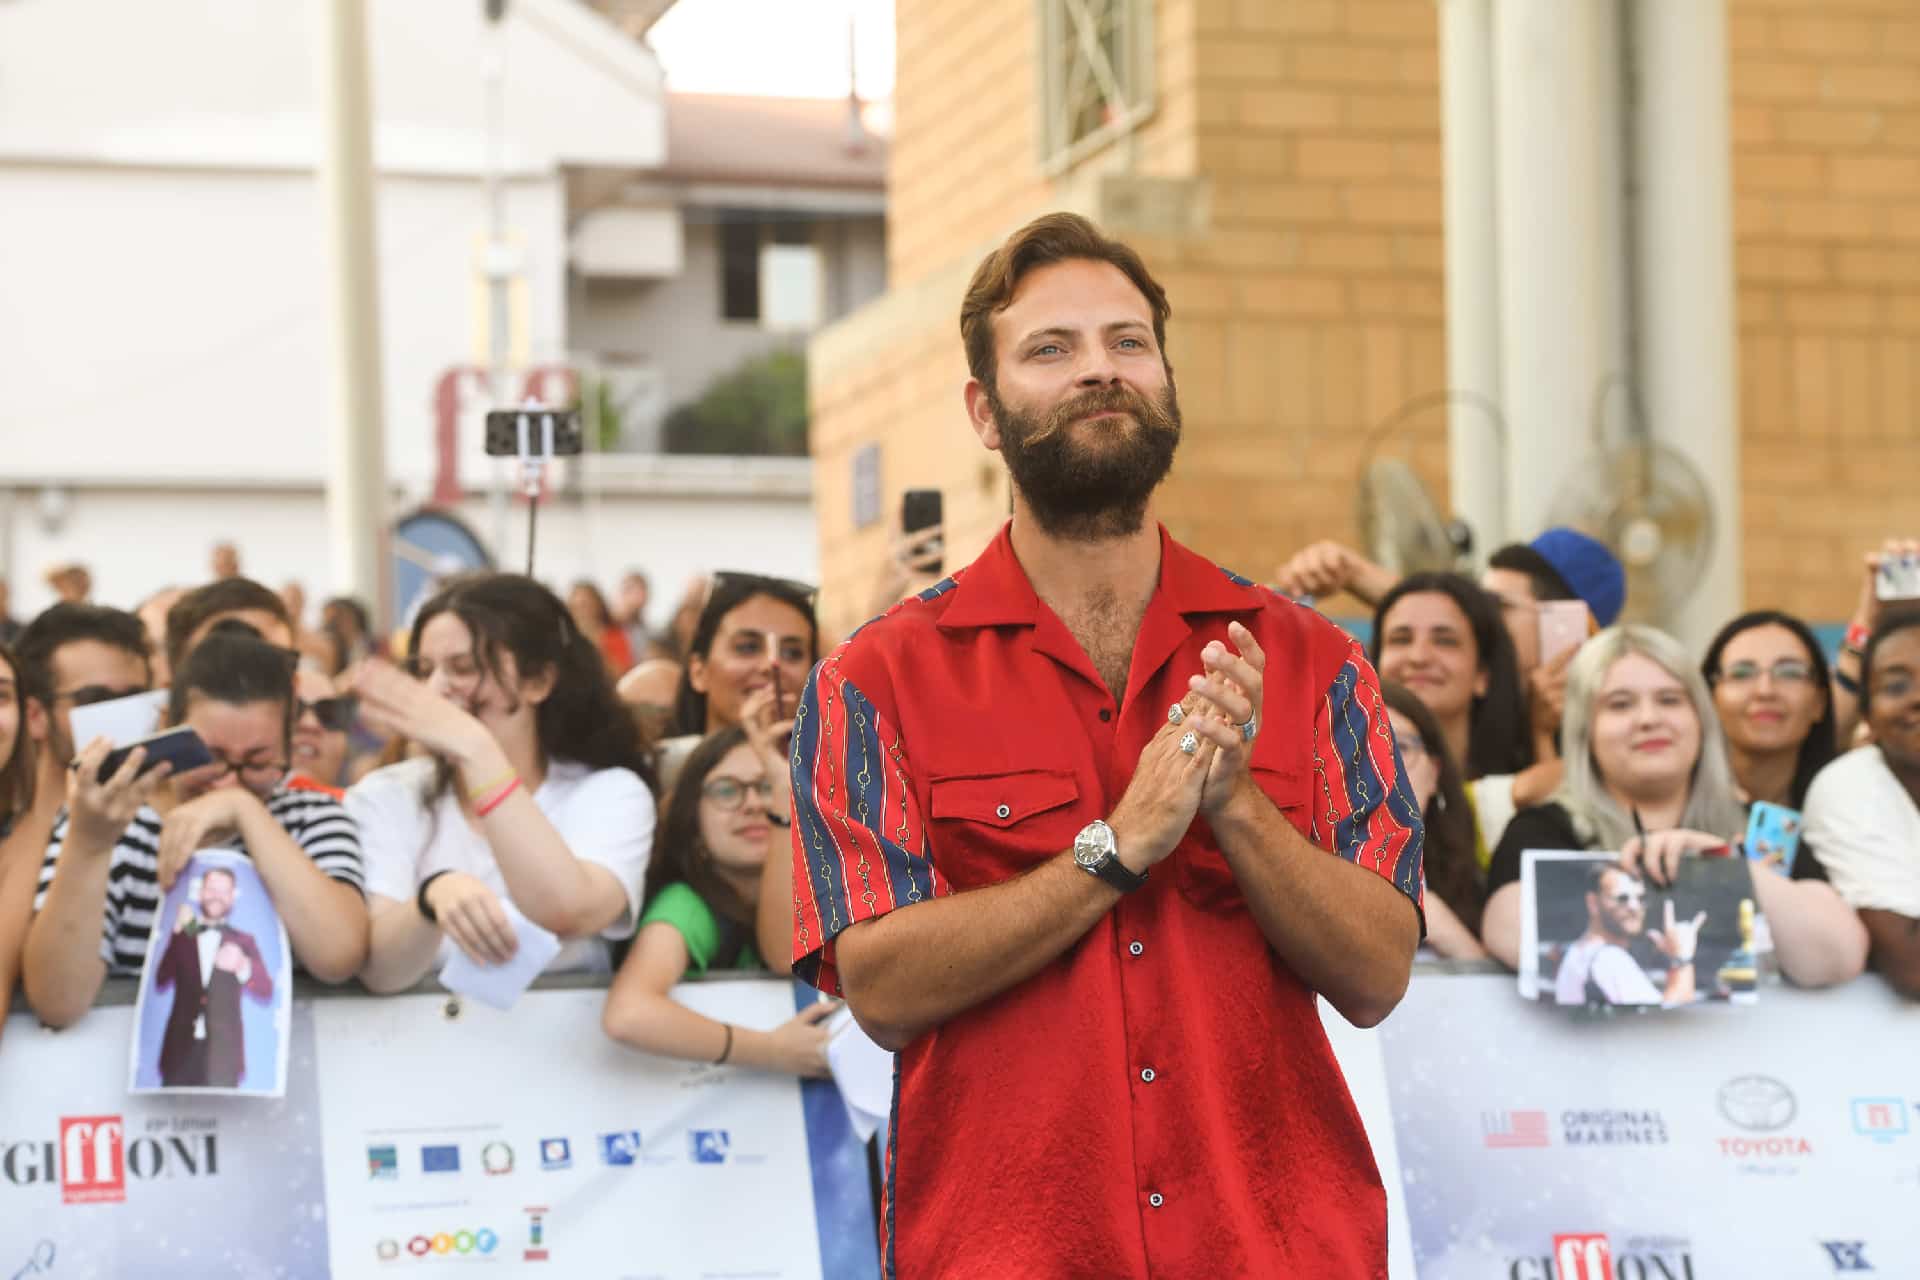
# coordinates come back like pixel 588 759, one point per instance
pixel 758 408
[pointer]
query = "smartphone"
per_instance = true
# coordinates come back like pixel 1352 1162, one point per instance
pixel 1898 578
pixel 923 509
pixel 503 433
pixel 1563 626
pixel 1773 836
pixel 181 748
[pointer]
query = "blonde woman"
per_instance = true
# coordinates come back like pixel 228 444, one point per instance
pixel 1647 774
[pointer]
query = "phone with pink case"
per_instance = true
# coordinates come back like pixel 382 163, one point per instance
pixel 1563 626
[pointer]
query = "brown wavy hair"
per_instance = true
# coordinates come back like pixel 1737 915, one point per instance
pixel 1054 237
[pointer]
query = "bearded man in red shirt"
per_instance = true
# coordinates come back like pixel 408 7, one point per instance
pixel 1081 833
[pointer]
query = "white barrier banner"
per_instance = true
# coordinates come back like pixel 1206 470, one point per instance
pixel 1770 1142
pixel 529 1144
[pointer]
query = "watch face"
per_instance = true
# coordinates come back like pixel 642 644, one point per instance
pixel 1089 848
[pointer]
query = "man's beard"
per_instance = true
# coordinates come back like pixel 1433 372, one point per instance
pixel 1094 490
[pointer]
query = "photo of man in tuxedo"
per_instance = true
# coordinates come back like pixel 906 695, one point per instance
pixel 207 964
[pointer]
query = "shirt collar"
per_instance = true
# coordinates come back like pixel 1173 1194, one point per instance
pixel 994 591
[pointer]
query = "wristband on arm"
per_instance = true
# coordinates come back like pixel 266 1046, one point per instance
pixel 420 898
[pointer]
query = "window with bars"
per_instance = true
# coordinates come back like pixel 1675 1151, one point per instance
pixel 1096 75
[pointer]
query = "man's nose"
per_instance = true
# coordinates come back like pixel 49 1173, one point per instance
pixel 1097 367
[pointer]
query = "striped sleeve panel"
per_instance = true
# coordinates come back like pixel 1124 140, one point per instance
pixel 1363 805
pixel 859 843
pixel 323 829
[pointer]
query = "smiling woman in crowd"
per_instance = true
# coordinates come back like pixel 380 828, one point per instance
pixel 1443 638
pixel 753 633
pixel 534 791
pixel 702 890
pixel 1644 754
pixel 1769 682
pixel 1863 811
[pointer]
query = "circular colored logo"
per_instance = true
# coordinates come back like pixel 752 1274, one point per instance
pixel 485 1240
pixel 387 1250
pixel 496 1157
pixel 442 1242
pixel 419 1246
pixel 1758 1103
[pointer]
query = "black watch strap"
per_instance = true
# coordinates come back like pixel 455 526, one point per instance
pixel 1115 873
pixel 420 898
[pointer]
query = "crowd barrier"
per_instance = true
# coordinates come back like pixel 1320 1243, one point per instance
pixel 1517 1142
pixel 419 1134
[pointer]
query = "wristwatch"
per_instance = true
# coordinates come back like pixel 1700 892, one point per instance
pixel 1098 855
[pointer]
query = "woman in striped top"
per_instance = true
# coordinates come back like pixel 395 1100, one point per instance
pixel 123 841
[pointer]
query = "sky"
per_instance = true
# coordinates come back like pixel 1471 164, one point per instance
pixel 797 48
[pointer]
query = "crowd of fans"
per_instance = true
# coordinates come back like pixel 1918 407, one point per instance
pixel 511 755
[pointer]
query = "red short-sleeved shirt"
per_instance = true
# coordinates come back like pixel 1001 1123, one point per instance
pixel 1161 1100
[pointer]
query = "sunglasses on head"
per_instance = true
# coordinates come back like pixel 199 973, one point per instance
pixel 334 714
pixel 748 583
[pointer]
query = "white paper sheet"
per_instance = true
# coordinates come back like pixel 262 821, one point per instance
pixel 863 1071
pixel 500 985
pixel 120 721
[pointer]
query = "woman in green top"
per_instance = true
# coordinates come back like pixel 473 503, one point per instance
pixel 702 887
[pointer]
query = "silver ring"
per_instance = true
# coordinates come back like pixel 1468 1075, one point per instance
pixel 1190 744
pixel 1175 715
pixel 1251 727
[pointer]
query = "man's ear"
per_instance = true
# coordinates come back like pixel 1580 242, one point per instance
pixel 38 721
pixel 980 414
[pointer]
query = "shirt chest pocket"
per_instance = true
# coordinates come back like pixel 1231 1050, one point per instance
pixel 1201 870
pixel 991 827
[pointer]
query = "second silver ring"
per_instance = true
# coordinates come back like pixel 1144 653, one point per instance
pixel 1190 743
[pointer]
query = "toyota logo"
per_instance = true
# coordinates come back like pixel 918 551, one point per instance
pixel 1759 1103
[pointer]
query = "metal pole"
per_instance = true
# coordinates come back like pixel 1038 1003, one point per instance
pixel 499 278
pixel 356 479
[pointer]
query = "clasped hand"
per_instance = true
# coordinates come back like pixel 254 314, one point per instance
pixel 1170 787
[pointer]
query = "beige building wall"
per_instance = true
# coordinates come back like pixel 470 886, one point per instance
pixel 1826 172
pixel 1312 306
pixel 1308 310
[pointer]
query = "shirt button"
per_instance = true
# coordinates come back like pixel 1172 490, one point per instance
pixel 1002 812
pixel 1156 1199
pixel 1106 713
pixel 1147 1075
pixel 1135 948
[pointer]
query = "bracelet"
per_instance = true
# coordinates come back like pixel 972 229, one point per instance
pixel 728 1051
pixel 1846 682
pixel 513 784
pixel 473 796
pixel 420 898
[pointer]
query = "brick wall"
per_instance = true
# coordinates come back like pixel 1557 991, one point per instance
pixel 1307 313
pixel 1826 174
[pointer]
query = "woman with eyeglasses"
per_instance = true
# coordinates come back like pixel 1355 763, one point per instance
pixel 533 793
pixel 1647 776
pixel 125 838
pixel 702 891
pixel 1769 682
pixel 1455 892
pixel 323 721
